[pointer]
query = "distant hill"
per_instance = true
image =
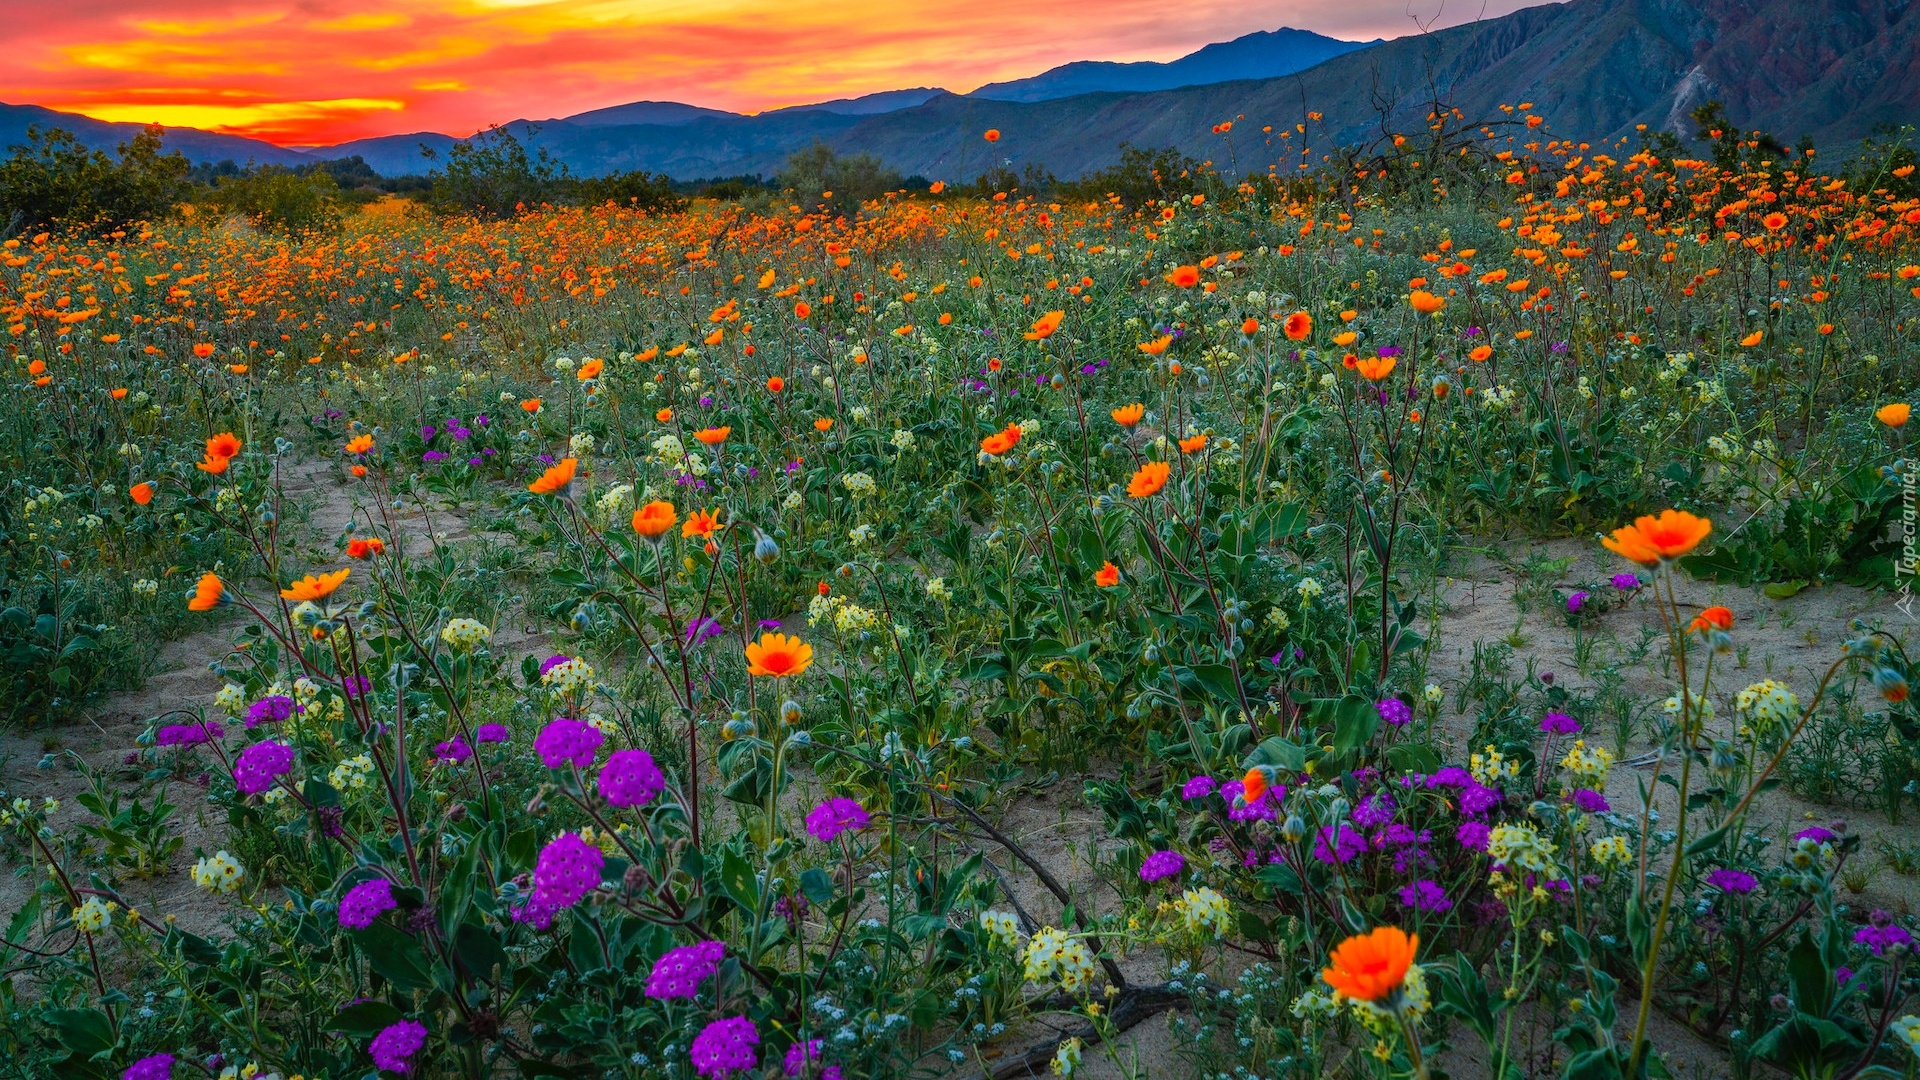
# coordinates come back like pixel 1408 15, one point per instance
pixel 1264 54
pixel 665 113
pixel 99 134
pixel 885 101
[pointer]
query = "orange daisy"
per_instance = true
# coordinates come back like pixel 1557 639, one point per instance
pixel 207 592
pixel 1129 415
pixel 713 436
pixel 316 586
pixel 654 519
pixel 1001 441
pixel 1148 479
pixel 1371 967
pixel 1107 576
pixel 778 656
pixel 556 478
pixel 701 523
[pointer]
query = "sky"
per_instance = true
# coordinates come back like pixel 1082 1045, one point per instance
pixel 306 72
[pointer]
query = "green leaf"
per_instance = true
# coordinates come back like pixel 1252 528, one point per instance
pixel 364 1018
pixel 1710 841
pixel 83 1031
pixel 738 881
pixel 816 886
pixel 1278 753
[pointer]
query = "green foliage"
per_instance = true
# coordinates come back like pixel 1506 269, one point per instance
pixel 282 200
pixel 53 181
pixel 817 174
pixel 491 176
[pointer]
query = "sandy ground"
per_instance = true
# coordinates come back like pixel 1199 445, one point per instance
pixel 1488 600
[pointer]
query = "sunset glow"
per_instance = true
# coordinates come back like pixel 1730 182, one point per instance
pixel 321 71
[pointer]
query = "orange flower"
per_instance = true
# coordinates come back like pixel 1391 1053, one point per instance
pixel 1774 221
pixel 556 478
pixel 802 310
pixel 203 349
pixel 1894 415
pixel 530 405
pixel 365 547
pixel 1481 354
pixel 775 384
pixel 316 586
pixel 1001 441
pixel 119 393
pixel 1298 326
pixel 1717 618
pixel 1148 479
pixel 1193 445
pixel 1425 302
pixel 1345 338
pixel 1371 967
pixel 1129 415
pixel 993 135
pixel 223 445
pixel 213 464
pixel 713 436
pixel 1375 368
pixel 701 523
pixel 1250 327
pixel 778 656
pixel 1156 346
pixel 1650 539
pixel 359 444
pixel 1752 339
pixel 1044 326
pixel 664 416
pixel 1185 277
pixel 1254 784
pixel 654 519
pixel 1107 576
pixel 206 593
pixel 589 368
pixel 358 470
pixel 142 493
pixel 823 424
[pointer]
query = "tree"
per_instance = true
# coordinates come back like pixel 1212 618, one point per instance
pixel 283 200
pixel 816 174
pixel 491 175
pixel 55 182
pixel 639 190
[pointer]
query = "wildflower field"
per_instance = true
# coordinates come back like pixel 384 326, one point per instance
pixel 1442 620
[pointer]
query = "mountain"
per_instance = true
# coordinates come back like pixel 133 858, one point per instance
pixel 868 104
pixel 1264 54
pixel 99 134
pixel 1833 70
pixel 390 155
pixel 664 113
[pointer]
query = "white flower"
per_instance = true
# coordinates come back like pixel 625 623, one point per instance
pixel 859 483
pixel 1907 1030
pixel 1521 848
pixel 231 698
pixel 1052 954
pixel 903 440
pixel 218 873
pixel 1610 851
pixel 353 774
pixel 792 501
pixel 1433 693
pixel 1001 928
pixel 1205 911
pixel 580 443
pixel 571 677
pixel 1067 1058
pixel 94 915
pixel 1768 706
pixel 146 587
pixel 1309 590
pixel 861 535
pixel 465 634
pixel 1587 765
pixel 937 590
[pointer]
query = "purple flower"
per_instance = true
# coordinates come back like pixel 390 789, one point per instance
pixel 1376 811
pixel 1477 799
pixel 151 1067
pixel 433 457
pixel 355 685
pixel 366 902
pixel 1625 582
pixel 703 628
pixel 679 973
pixel 1162 865
pixel 800 1055
pixel 1558 347
pixel 188 734
pixel 835 816
pixel 1395 712
pixel 453 751
pixel 553 661
pixel 1347 844
pixel 1424 895
pixel 1731 882
pixel 1198 787
pixel 725 1047
pixel 1590 802
pixel 1240 809
pixel 1390 351
pixel 768 624
pixel 1842 975
pixel 630 778
pixel 1879 938
pixel 1452 776
pixel 1574 601
pixel 428 432
pixel 259 765
pixel 1816 834
pixel 460 434
pixel 271 710
pixel 565 741
pixel 396 1044
pixel 1559 723
pixel 1473 835
pixel 568 869
pixel 488 733
pixel 481 420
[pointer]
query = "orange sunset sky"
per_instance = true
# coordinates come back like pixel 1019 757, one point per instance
pixel 320 71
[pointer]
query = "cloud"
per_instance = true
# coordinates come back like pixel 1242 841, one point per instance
pixel 316 71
